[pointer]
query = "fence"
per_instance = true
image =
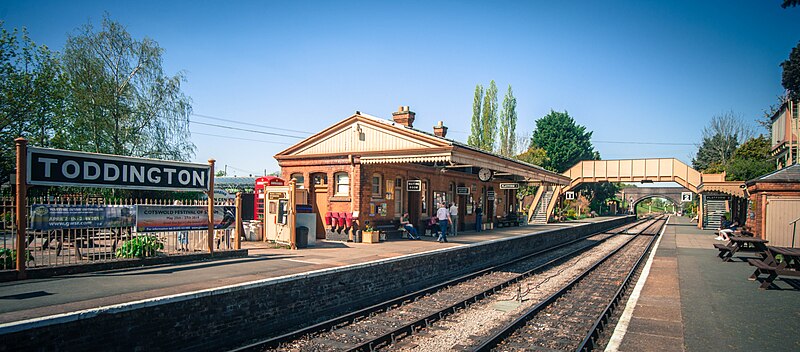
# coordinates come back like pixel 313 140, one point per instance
pixel 93 241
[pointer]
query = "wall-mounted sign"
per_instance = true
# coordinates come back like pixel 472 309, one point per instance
pixel 413 185
pixel 509 186
pixel 569 195
pixel 686 196
pixel 55 167
pixel 462 191
pixel 490 195
pixel 276 195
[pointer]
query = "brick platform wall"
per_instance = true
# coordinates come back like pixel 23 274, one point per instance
pixel 229 317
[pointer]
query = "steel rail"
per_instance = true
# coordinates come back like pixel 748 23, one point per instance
pixel 499 336
pixel 589 342
pixel 410 297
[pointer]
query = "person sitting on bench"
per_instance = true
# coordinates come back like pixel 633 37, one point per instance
pixel 412 232
pixel 433 226
pixel 726 229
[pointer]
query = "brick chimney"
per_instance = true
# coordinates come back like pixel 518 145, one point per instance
pixel 440 130
pixel 404 116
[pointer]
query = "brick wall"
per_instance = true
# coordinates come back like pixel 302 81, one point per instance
pixel 229 317
pixel 361 195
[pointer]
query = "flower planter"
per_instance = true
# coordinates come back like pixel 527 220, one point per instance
pixel 370 237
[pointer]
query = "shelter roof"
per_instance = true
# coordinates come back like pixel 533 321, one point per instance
pixel 379 141
pixel 789 174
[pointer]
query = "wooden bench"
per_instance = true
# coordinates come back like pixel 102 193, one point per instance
pixel 390 230
pixel 724 251
pixel 773 270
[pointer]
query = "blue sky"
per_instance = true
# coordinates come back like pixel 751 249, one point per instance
pixel 635 71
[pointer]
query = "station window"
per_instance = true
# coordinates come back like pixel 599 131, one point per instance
pixel 377 180
pixel 398 197
pixel 299 179
pixel 342 180
pixel 424 197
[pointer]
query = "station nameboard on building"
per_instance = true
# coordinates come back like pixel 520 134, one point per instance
pixel 414 185
pixel 462 191
pixel 509 185
pixel 55 167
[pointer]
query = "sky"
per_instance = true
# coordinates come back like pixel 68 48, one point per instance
pixel 644 76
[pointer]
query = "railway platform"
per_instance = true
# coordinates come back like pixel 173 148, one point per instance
pixel 30 299
pixel 693 301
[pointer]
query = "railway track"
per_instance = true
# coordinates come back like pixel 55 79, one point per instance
pixel 382 325
pixel 573 318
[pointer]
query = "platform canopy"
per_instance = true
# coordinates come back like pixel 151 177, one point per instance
pixel 372 140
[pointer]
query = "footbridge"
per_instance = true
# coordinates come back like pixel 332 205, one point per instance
pixel 712 189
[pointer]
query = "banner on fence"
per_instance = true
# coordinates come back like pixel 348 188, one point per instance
pixel 55 167
pixel 55 216
pixel 155 218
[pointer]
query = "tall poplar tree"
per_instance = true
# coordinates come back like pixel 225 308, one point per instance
pixel 508 124
pixel 489 117
pixel 475 138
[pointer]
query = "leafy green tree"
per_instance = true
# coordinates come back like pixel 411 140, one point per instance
pixel 790 3
pixel 750 160
pixel 31 94
pixel 791 73
pixel 489 117
pixel 535 156
pixel 508 124
pixel 120 99
pixel 564 141
pixel 475 138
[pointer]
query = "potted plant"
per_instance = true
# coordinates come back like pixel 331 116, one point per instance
pixel 369 235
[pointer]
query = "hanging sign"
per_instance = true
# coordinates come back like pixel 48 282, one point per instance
pixel 154 218
pixel 489 195
pixel 462 191
pixel 686 196
pixel 414 185
pixel 569 195
pixel 509 186
pixel 55 167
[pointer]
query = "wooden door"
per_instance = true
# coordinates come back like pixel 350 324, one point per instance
pixel 319 199
pixel 781 212
pixel 413 209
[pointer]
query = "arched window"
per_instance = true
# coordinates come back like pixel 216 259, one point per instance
pixel 377 181
pixel 342 184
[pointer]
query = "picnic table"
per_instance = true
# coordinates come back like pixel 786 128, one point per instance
pixel 787 265
pixel 741 243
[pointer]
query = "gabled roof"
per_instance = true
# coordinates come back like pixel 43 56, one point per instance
pixel 789 174
pixel 377 141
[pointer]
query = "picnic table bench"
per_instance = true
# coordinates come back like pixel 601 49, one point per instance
pixel 789 265
pixel 740 243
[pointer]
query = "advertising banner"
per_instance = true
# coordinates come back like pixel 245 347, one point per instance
pixel 55 167
pixel 55 216
pixel 155 218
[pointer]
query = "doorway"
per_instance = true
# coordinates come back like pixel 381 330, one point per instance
pixel 413 208
pixel 319 200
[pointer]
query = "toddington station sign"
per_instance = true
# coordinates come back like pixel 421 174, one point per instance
pixel 55 167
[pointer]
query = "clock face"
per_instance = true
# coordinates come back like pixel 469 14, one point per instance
pixel 484 174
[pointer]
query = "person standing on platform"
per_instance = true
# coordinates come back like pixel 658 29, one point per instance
pixel 454 217
pixel 443 214
pixel 478 219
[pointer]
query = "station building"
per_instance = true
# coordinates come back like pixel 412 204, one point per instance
pixel 785 131
pixel 375 169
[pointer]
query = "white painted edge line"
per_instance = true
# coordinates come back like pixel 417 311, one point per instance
pixel 21 325
pixel 624 320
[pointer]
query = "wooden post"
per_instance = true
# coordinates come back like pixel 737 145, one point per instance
pixel 292 218
pixel 22 214
pixel 239 224
pixel 211 207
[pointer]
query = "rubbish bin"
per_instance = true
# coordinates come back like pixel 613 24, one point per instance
pixel 302 237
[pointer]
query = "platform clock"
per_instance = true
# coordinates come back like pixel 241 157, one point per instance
pixel 484 174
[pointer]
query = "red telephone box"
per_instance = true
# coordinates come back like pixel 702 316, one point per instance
pixel 261 182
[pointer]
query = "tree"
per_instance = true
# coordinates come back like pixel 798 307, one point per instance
pixel 750 160
pixel 475 138
pixel 120 99
pixel 720 138
pixel 790 3
pixel 489 117
pixel 508 124
pixel 791 73
pixel 564 141
pixel 535 156
pixel 31 94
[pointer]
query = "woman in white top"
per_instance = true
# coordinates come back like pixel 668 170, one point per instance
pixel 443 214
